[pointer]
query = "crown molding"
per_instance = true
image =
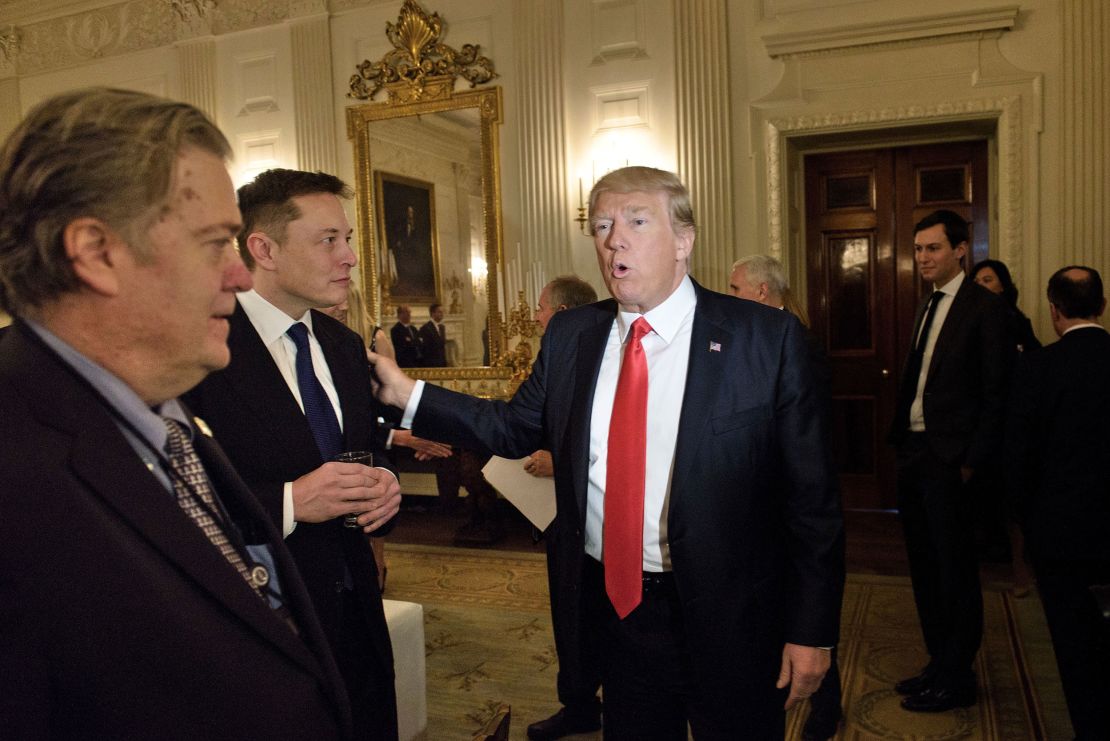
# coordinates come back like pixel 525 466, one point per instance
pixel 825 38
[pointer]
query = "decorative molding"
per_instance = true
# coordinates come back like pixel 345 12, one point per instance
pixel 420 66
pixel 621 106
pixel 189 11
pixel 705 132
pixel 545 218
pixel 825 38
pixel 256 83
pixel 9 44
pixel 313 103
pixel 257 152
pixel 197 64
pixel 618 30
pixel 1006 111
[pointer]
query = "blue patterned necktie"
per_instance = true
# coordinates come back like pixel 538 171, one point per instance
pixel 317 407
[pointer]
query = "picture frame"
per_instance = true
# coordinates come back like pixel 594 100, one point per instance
pixel 406 226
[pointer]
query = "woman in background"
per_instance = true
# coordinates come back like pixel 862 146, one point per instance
pixel 995 277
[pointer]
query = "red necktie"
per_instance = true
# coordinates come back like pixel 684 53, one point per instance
pixel 623 527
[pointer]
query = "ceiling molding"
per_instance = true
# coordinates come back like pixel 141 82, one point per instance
pixel 824 38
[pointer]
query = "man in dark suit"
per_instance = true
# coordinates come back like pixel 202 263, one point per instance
pixel 406 339
pixel 762 278
pixel 1059 469
pixel 144 593
pixel 581 711
pixel 433 339
pixel 295 395
pixel 948 423
pixel 706 489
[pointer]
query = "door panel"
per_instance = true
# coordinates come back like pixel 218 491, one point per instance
pixel 863 289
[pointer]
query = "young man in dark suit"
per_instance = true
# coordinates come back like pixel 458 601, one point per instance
pixel 433 339
pixel 699 533
pixel 948 423
pixel 1059 470
pixel 144 593
pixel 295 395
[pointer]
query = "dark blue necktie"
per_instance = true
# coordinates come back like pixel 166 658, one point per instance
pixel 317 407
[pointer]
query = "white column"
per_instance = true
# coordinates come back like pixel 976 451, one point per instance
pixel 546 213
pixel 1086 136
pixel 704 133
pixel 197 58
pixel 313 106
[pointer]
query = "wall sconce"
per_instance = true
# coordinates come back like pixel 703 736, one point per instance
pixel 582 219
pixel 478 272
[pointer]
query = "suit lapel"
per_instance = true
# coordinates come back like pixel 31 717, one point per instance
pixel 954 323
pixel 258 382
pixel 591 350
pixel 102 458
pixel 697 401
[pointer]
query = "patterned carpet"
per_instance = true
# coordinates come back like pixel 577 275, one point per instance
pixel 488 639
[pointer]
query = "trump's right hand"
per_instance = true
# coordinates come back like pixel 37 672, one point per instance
pixel 391 385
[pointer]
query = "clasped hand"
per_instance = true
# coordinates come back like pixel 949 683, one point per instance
pixel 337 489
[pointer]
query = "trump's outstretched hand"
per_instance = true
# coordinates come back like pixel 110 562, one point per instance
pixel 391 385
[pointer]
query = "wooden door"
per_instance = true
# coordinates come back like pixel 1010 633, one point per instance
pixel 863 288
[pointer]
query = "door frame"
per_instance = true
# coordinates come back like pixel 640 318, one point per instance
pixel 999 120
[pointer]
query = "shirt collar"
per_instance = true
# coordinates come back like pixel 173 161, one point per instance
pixel 666 318
pixel 951 287
pixel 270 321
pixel 121 397
pixel 1085 325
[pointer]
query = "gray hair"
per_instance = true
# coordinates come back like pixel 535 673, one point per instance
pixel 763 269
pixel 100 153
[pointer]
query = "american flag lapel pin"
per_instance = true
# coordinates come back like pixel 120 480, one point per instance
pixel 714 346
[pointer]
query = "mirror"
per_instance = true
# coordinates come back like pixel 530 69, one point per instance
pixel 427 176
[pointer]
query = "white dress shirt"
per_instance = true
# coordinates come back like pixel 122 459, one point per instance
pixel 667 350
pixel 949 289
pixel 272 323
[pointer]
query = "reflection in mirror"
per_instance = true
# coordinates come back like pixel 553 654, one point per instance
pixel 427 170
pixel 429 211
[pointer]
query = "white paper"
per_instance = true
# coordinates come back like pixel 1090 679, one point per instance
pixel 533 496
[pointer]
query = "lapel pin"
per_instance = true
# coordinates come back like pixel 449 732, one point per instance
pixel 202 426
pixel 714 346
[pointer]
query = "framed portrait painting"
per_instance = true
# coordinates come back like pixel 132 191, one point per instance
pixel 406 223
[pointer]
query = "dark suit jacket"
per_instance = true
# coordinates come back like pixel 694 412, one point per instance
pixel 257 420
pixel 406 344
pixel 118 617
pixel 433 345
pixel 965 388
pixel 1058 447
pixel 754 523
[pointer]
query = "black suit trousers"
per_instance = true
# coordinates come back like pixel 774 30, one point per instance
pixel 937 517
pixel 1080 639
pixel 650 689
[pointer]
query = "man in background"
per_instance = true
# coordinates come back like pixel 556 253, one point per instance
pixel 762 279
pixel 433 339
pixel 699 533
pixel 1059 469
pixel 948 423
pixel 578 680
pixel 297 394
pixel 406 339
pixel 144 593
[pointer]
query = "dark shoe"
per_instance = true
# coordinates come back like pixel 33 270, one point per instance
pixel 564 723
pixel 915 685
pixel 939 699
pixel 820 726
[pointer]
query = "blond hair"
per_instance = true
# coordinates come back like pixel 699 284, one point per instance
pixel 648 180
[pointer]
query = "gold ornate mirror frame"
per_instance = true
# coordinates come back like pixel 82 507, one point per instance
pixel 418 78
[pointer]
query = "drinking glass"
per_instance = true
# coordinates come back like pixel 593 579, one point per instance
pixel 364 457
